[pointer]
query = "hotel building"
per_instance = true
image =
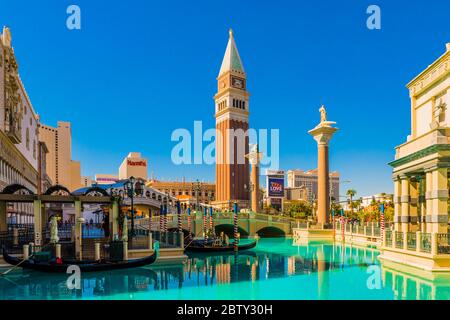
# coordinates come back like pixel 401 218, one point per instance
pixel 19 143
pixel 61 169
pixel 420 174
pixel 133 166
pixel 309 180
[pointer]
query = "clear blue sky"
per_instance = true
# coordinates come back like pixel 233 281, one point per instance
pixel 139 69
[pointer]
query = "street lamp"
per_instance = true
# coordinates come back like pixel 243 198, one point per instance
pixel 130 190
pixel 197 188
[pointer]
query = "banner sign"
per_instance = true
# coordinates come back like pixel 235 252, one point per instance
pixel 276 187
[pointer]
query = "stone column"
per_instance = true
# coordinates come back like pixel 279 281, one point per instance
pixel 78 230
pixel 323 134
pixel 254 158
pixel 113 218
pixel 428 200
pixel 422 204
pixel 3 221
pixel 37 222
pixel 404 200
pixel 414 200
pixel 397 203
pixel 439 198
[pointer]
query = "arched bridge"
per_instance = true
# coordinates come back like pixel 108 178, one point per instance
pixel 249 224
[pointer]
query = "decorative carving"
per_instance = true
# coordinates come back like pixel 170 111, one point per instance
pixel 13 102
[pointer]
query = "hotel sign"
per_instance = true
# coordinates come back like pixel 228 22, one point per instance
pixel 137 163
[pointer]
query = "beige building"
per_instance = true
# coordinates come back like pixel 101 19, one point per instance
pixel 420 174
pixel 186 191
pixel 309 180
pixel 86 181
pixel 19 143
pixel 133 166
pixel 61 168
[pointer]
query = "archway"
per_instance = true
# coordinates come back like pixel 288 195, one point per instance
pixel 271 232
pixel 57 190
pixel 14 188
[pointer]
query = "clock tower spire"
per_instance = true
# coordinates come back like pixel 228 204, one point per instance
pixel 231 113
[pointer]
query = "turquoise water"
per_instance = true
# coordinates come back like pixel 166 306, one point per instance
pixel 275 269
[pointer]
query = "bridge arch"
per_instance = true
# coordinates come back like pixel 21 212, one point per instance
pixel 271 232
pixel 228 229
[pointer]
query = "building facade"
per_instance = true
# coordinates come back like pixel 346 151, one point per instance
pixel 134 165
pixel 101 178
pixel 186 191
pixel 232 144
pixel 420 168
pixel 19 143
pixel 309 180
pixel 61 169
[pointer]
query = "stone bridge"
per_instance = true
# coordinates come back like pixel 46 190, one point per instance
pixel 249 224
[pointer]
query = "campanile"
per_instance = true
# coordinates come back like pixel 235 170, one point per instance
pixel 231 113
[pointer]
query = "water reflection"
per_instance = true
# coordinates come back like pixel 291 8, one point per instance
pixel 272 259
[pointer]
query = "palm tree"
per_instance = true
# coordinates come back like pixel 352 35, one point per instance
pixel 351 193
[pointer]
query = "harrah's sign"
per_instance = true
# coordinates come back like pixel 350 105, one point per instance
pixel 137 163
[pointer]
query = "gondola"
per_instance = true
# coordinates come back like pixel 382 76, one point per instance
pixel 199 247
pixel 85 266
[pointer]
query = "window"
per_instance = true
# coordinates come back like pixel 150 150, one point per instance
pixel 28 139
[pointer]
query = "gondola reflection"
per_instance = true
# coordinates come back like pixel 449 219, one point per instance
pixel 201 270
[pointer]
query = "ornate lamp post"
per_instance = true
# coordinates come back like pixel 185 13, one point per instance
pixel 130 190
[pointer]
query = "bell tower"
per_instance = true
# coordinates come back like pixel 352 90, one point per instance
pixel 232 142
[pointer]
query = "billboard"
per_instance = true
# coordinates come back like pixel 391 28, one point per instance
pixel 275 187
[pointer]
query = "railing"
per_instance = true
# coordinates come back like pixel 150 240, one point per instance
pixel 425 243
pixel 411 238
pixel 388 238
pixel 443 243
pixel 376 232
pixel 399 240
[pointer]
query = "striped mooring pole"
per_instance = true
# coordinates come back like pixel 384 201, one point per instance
pixel 165 218
pixel 180 228
pixel 332 220
pixel 342 225
pixel 236 240
pixel 205 213
pixel 161 218
pixel 189 219
pixel 211 226
pixel 382 221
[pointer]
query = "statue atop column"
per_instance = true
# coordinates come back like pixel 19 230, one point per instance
pixel 323 118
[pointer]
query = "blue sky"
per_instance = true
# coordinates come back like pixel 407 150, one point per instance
pixel 137 70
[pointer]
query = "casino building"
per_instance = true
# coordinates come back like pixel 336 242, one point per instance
pixel 20 149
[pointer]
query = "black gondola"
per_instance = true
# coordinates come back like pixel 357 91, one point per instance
pixel 85 266
pixel 198 246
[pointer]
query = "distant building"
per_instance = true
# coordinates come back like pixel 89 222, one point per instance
pixel 296 193
pixel 308 179
pixel 133 166
pixel 106 178
pixel 86 181
pixel 186 191
pixel 61 168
